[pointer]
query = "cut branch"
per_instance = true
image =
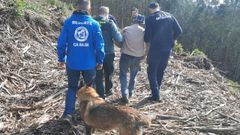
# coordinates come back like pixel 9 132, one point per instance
pixel 215 129
pixel 170 117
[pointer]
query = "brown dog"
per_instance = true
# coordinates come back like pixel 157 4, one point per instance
pixel 98 114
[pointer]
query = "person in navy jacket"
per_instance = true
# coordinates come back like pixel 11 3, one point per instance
pixel 81 43
pixel 162 29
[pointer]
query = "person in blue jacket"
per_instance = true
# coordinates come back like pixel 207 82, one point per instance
pixel 162 29
pixel 110 34
pixel 81 42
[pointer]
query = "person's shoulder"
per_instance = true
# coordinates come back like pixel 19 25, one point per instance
pixel 141 28
pixel 93 21
pixel 110 22
pixel 68 21
pixel 166 14
pixel 150 17
pixel 97 18
pixel 126 28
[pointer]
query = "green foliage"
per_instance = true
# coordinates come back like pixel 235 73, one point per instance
pixel 209 29
pixel 198 52
pixel 178 48
pixel 21 6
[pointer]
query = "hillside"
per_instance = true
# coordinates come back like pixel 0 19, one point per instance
pixel 196 99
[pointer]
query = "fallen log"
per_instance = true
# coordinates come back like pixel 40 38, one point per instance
pixel 170 117
pixel 230 129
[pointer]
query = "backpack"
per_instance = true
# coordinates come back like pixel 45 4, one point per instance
pixel 106 25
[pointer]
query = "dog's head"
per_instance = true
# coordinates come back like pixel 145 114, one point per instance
pixel 87 93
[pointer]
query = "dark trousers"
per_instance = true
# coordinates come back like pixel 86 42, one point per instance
pixel 73 83
pixel 107 73
pixel 156 68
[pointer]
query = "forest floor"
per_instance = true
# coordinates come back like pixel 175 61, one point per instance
pixel 196 99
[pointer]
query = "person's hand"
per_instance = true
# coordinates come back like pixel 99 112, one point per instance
pixel 61 65
pixel 99 66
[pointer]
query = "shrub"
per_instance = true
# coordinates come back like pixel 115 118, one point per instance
pixel 198 52
pixel 178 49
pixel 234 87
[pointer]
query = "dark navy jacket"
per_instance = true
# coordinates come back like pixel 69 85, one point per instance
pixel 110 33
pixel 81 42
pixel 162 29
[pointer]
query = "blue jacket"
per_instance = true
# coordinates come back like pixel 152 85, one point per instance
pixel 162 29
pixel 81 42
pixel 110 33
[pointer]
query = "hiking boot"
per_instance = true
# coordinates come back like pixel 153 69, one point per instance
pixel 67 118
pixel 151 98
pixel 124 100
pixel 130 94
pixel 108 93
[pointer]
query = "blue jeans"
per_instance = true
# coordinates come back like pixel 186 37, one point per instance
pixel 132 63
pixel 156 68
pixel 107 73
pixel 73 82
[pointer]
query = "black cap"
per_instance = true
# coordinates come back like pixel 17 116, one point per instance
pixel 153 5
pixel 139 18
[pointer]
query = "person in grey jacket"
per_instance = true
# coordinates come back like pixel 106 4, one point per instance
pixel 132 51
pixel 110 34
